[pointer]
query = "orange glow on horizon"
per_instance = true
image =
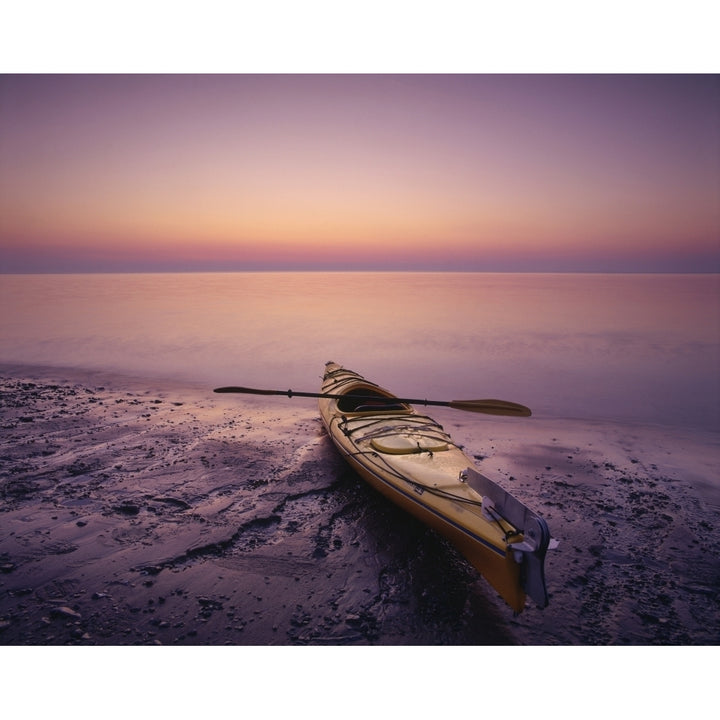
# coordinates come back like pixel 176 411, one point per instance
pixel 355 170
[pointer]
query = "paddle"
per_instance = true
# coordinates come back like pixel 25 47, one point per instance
pixel 489 407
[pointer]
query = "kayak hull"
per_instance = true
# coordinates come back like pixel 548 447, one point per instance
pixel 495 564
pixel 412 461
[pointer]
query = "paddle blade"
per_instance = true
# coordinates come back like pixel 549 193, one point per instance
pixel 492 407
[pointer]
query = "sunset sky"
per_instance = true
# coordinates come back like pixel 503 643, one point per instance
pixel 359 172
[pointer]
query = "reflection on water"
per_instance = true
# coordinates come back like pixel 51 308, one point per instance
pixel 637 347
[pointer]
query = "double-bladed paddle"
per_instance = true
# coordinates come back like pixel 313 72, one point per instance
pixel 489 407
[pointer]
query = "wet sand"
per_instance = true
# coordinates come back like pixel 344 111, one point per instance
pixel 137 512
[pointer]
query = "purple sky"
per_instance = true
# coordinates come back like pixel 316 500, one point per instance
pixel 353 172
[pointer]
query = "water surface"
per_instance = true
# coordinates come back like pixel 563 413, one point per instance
pixel 642 348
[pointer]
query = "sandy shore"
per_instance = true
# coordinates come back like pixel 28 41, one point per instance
pixel 141 513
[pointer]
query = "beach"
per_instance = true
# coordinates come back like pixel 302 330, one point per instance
pixel 136 511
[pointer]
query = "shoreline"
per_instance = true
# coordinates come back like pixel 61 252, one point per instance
pixel 154 512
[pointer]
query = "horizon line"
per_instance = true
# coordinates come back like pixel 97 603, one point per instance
pixel 357 271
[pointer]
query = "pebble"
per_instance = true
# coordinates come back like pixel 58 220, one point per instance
pixel 127 508
pixel 65 611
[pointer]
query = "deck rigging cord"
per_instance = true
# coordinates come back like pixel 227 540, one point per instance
pixel 378 459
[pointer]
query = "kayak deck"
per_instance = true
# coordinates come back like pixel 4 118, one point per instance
pixel 410 459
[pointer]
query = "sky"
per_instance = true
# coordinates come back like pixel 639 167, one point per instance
pixel 463 172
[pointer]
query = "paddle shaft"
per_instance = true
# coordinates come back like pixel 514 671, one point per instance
pixel 491 407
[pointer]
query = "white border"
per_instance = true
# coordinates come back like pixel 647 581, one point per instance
pixel 370 36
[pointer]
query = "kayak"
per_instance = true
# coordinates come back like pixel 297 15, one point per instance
pixel 409 458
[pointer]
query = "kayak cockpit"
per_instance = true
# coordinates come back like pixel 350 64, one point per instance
pixel 367 399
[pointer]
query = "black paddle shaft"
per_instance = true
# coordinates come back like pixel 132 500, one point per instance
pixel 491 407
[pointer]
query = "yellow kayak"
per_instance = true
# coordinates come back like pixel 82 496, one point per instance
pixel 411 460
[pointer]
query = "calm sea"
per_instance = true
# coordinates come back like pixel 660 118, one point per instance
pixel 642 348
